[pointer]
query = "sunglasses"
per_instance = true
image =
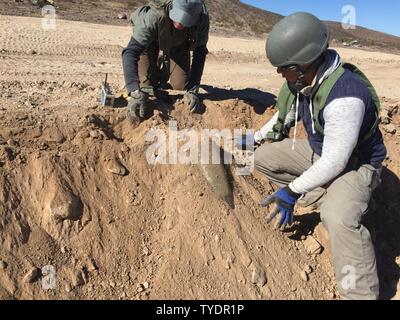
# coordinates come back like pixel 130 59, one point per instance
pixel 292 67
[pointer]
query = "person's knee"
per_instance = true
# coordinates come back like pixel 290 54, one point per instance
pixel 339 214
pixel 266 158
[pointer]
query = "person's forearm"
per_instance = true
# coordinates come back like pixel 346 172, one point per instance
pixel 130 58
pixel 261 134
pixel 269 126
pixel 198 62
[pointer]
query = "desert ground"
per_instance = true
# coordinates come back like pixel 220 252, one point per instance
pixel 77 193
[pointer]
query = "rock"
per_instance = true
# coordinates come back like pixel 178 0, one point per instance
pixel 258 277
pixel 398 261
pixel 36 132
pixel 146 251
pixel 53 136
pixel 390 128
pixel 312 246
pixel 323 238
pixel 304 276
pixel 65 205
pixel 91 265
pixel 96 134
pixel 146 285
pixel 140 287
pixel 31 52
pixel 32 275
pixel 112 284
pixel 22 117
pixel 124 148
pixel 308 269
pixel 385 117
pixel 230 259
pixel 6 153
pixel 12 143
pixel 122 16
pixel 247 260
pixel 3 265
pixel 68 287
pixel 83 134
pixel 43 146
pixel 392 109
pixel 115 167
pixel 77 279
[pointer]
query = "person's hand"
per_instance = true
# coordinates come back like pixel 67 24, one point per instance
pixel 285 200
pixel 137 105
pixel 192 100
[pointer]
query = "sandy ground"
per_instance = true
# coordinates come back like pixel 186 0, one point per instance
pixel 77 193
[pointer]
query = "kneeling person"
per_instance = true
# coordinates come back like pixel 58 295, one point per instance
pixel 341 160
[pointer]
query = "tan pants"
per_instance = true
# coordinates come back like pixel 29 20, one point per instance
pixel 179 72
pixel 344 204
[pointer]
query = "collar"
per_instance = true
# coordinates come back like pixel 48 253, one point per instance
pixel 331 63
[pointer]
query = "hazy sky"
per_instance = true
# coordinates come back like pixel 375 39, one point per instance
pixel 381 15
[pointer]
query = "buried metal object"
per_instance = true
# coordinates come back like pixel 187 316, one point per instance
pixel 217 177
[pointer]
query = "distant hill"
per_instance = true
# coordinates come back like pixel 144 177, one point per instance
pixel 228 16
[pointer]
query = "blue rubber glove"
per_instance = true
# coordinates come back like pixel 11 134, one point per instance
pixel 246 142
pixel 285 199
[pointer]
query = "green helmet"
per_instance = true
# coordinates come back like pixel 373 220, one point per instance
pixel 297 39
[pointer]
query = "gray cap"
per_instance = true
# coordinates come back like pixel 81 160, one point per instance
pixel 186 12
pixel 297 39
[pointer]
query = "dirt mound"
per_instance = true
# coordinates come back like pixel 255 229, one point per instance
pixel 65 203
